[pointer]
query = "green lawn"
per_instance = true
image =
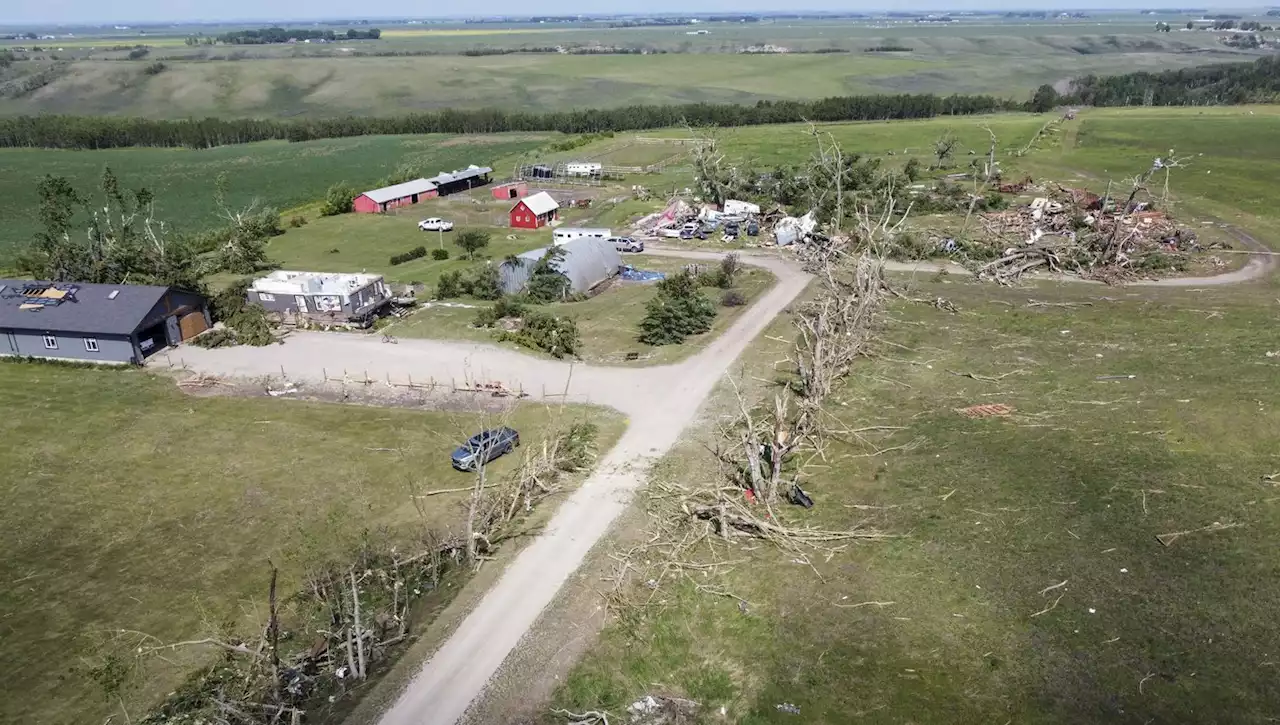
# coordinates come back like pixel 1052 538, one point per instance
pixel 367 242
pixel 274 173
pixel 128 505
pixel 608 322
pixel 1027 584
pixel 1230 171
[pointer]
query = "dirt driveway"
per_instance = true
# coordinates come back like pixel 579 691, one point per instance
pixel 659 402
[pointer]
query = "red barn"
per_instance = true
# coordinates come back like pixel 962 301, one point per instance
pixel 390 197
pixel 535 211
pixel 511 190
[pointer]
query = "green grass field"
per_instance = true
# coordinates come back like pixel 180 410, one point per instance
pixel 129 505
pixel 1027 584
pixel 276 173
pixel 1003 58
pixel 608 322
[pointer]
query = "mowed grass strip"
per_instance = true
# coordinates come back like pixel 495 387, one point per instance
pixel 128 505
pixel 1028 583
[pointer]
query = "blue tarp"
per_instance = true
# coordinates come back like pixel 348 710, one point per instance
pixel 631 274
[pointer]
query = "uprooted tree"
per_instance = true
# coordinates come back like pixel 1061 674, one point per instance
pixel 321 640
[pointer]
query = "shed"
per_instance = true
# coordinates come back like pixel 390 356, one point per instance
pixel 586 262
pixel 535 211
pixel 390 197
pixel 452 182
pixel 511 190
pixel 104 323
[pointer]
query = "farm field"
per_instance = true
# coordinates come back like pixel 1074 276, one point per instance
pixel 276 173
pixel 608 322
pixel 134 506
pixel 334 80
pixel 1026 582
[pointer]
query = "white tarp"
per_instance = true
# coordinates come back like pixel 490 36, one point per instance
pixel 794 229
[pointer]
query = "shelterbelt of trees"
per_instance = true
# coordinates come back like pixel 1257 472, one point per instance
pixel 1232 83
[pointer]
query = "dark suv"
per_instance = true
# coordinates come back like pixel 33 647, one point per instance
pixel 483 447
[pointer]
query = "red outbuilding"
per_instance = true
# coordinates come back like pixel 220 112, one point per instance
pixel 535 211
pixel 511 190
pixel 390 197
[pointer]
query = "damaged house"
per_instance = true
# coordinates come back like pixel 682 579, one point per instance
pixel 322 297
pixel 101 323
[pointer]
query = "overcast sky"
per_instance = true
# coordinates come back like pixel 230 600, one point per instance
pixel 97 11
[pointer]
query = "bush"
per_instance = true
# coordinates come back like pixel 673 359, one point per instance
pixel 712 278
pixel 678 310
pixel 439 254
pixel 449 285
pixel 333 251
pixel 543 331
pixel 298 221
pixel 733 298
pixel 482 282
pixel 155 69
pixel 139 53
pixel 409 256
pixel 339 199
pixel 506 306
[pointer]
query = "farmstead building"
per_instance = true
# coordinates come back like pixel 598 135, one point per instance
pixel 390 197
pixel 535 211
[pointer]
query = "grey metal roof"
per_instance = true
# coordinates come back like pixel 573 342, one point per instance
pixel 471 172
pixel 88 310
pixel 586 262
pixel 400 191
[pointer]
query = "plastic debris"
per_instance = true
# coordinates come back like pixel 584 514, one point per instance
pixel 788 708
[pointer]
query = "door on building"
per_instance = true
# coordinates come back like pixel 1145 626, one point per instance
pixel 301 302
pixel 192 324
pixel 172 331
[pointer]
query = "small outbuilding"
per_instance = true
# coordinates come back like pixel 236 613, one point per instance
pixel 586 262
pixel 535 212
pixel 452 182
pixel 101 323
pixel 375 201
pixel 511 190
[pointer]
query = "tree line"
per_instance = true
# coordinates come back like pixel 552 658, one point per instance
pixel 101 132
pixel 264 36
pixel 1221 84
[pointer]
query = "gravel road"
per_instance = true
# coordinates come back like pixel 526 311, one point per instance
pixel 659 403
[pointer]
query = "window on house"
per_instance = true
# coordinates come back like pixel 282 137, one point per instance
pixel 50 342
pixel 90 344
pixel 266 297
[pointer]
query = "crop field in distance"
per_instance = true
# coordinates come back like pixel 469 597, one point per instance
pixel 393 74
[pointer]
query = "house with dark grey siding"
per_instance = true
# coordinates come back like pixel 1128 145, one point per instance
pixel 102 323
pixel 321 296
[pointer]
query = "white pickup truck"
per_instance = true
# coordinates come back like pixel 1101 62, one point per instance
pixel 435 224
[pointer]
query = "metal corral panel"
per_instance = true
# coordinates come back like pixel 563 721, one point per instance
pixel 586 262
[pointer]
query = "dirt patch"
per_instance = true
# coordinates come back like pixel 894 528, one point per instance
pixel 378 395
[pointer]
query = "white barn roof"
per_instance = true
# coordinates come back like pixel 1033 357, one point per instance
pixel 541 203
pixel 400 191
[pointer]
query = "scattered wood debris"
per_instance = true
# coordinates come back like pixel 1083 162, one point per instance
pixel 989 410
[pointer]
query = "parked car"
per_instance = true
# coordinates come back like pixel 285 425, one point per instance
pixel 484 447
pixel 753 228
pixel 731 229
pixel 435 224
pixel 627 244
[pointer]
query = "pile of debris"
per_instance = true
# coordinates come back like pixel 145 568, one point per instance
pixel 1078 232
